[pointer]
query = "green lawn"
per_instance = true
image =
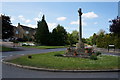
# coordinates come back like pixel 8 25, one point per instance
pixel 3 48
pixel 48 60
pixel 45 47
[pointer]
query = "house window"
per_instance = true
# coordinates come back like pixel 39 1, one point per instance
pixel 16 32
pixel 27 32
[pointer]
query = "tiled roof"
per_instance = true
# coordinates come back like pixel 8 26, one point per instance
pixel 27 28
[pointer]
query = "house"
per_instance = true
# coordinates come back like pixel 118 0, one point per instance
pixel 22 31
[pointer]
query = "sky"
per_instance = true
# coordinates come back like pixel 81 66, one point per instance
pixel 96 15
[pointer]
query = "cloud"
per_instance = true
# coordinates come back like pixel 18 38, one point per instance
pixel 61 18
pixel 22 18
pixel 52 26
pixel 31 25
pixel 109 19
pixel 27 21
pixel 95 22
pixel 12 19
pixel 36 19
pixel 77 22
pixel 89 15
pixel 40 14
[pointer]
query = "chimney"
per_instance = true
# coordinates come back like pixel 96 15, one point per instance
pixel 18 24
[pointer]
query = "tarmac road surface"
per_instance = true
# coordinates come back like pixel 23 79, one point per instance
pixel 15 72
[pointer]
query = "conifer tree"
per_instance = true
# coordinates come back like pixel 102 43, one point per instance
pixel 42 33
pixel 7 28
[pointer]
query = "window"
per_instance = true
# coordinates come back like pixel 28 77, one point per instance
pixel 16 32
pixel 27 32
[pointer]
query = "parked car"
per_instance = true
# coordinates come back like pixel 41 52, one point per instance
pixel 28 44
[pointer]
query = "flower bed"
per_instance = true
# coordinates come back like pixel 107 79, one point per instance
pixel 88 53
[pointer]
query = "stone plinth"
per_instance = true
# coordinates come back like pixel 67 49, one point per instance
pixel 80 47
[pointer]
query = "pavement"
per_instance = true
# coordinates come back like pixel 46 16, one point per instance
pixel 9 71
pixel 113 52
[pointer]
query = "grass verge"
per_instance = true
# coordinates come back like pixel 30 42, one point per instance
pixel 48 60
pixel 3 48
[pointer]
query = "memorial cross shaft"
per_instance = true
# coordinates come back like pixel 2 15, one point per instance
pixel 80 25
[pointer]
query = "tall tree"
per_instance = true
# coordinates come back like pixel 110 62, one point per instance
pixel 7 28
pixel 115 29
pixel 59 35
pixel 42 33
pixel 94 39
pixel 115 26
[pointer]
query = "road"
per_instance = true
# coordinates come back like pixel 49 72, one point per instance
pixel 15 72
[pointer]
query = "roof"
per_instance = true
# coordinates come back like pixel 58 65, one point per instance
pixel 27 28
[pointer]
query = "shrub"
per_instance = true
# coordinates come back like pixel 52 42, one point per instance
pixel 58 55
pixel 93 57
pixel 30 57
pixel 98 53
pixel 89 50
pixel 89 54
pixel 15 41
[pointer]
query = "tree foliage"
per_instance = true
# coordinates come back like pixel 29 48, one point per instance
pixel 115 25
pixel 73 37
pixel 7 28
pixel 59 36
pixel 42 33
pixel 103 39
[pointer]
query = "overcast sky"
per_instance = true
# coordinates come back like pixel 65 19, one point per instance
pixel 96 15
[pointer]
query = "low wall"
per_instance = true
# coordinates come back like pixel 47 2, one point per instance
pixel 10 44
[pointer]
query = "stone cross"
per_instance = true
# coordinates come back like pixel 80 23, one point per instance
pixel 80 44
pixel 80 25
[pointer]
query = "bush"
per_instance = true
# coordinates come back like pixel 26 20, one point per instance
pixel 93 57
pixel 21 40
pixel 98 53
pixel 15 41
pixel 89 50
pixel 58 55
pixel 89 54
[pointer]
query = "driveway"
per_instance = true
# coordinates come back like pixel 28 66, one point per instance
pixel 15 72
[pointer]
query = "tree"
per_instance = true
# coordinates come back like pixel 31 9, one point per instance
pixel 70 39
pixel 7 28
pixel 115 26
pixel 73 37
pixel 115 29
pixel 75 34
pixel 59 36
pixel 94 39
pixel 101 32
pixel 42 33
pixel 84 40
